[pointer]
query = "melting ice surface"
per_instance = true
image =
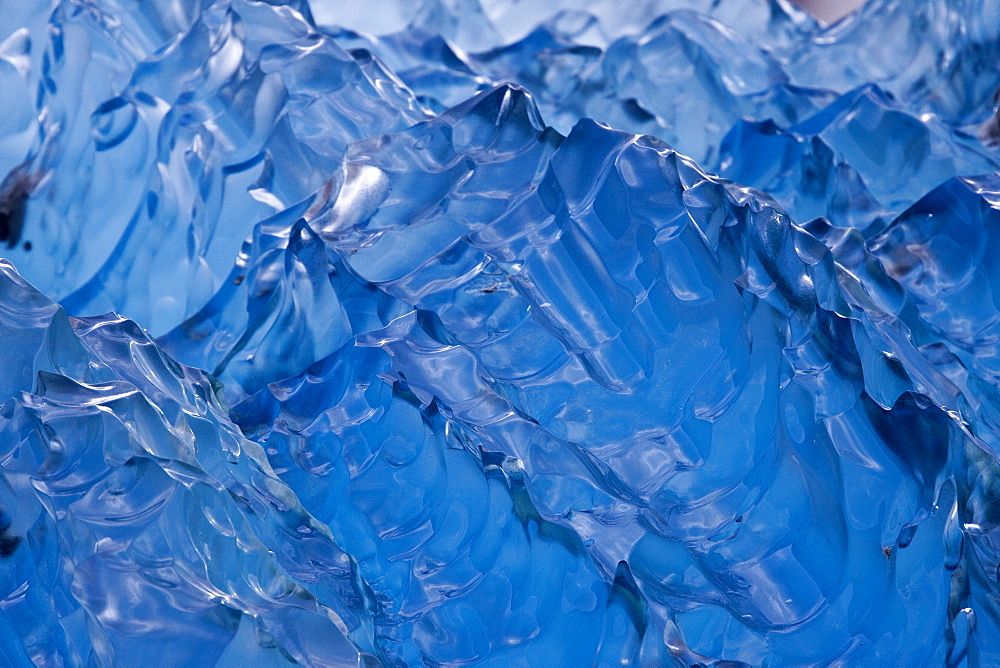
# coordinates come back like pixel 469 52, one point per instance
pixel 500 332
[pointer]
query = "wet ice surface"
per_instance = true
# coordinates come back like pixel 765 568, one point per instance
pixel 481 390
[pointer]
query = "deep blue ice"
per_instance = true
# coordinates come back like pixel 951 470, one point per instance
pixel 499 332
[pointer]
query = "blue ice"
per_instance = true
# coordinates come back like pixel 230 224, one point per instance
pixel 499 332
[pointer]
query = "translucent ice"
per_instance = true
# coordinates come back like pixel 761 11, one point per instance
pixel 859 161
pixel 140 519
pixel 197 120
pixel 687 70
pixel 503 373
pixel 627 420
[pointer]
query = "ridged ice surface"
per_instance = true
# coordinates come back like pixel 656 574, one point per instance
pixel 500 332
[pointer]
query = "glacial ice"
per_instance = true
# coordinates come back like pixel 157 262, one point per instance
pixel 557 334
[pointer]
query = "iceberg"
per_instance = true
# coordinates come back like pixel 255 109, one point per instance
pixel 485 332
